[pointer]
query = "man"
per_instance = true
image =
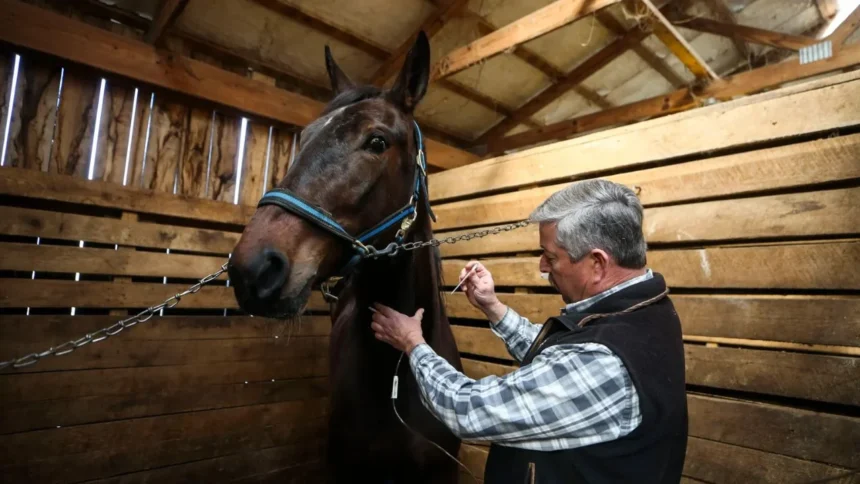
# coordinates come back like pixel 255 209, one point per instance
pixel 599 396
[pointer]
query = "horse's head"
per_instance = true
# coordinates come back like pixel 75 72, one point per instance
pixel 356 165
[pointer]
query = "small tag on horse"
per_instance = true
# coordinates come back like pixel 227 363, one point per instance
pixel 394 388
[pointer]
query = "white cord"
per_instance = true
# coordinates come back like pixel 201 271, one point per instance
pixel 394 390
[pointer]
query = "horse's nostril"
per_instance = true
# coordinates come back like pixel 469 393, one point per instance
pixel 271 273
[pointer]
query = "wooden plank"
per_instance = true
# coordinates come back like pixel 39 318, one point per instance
pixel 717 127
pixel 480 341
pixel 257 151
pixel 195 167
pixel 75 118
pixel 296 462
pixel 820 213
pixel 31 330
pixel 59 259
pixel 475 458
pixel 166 139
pixel 749 34
pixel 282 153
pixel 224 160
pixel 7 65
pixel 815 162
pixel 26 183
pixel 796 266
pixel 718 462
pixel 19 417
pixel 112 448
pixel 797 375
pixel 60 36
pixel 750 317
pixel 575 77
pixel 531 26
pixel 69 226
pixel 61 294
pixel 12 102
pixel 430 26
pixel 152 380
pixel 39 88
pixel 124 353
pixel 124 109
pixel 815 436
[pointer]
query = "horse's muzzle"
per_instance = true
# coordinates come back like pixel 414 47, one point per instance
pixel 259 281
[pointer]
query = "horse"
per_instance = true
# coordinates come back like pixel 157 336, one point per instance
pixel 360 168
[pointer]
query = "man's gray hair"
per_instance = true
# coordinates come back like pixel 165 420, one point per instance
pixel 596 214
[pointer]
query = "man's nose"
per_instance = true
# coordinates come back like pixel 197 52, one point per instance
pixel 263 276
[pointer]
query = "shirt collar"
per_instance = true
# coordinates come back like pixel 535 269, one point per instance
pixel 580 306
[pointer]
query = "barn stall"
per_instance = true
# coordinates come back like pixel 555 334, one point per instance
pixel 139 135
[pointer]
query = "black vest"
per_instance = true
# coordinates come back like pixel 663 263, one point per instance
pixel 640 325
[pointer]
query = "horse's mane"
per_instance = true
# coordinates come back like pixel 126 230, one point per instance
pixel 352 96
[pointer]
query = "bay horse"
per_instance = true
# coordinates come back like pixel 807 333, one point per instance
pixel 359 169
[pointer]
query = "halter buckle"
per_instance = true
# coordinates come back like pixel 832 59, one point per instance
pixel 326 289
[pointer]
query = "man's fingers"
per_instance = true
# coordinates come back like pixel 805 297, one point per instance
pixel 419 314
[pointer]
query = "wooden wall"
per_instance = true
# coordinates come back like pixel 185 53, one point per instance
pixel 104 212
pixel 752 215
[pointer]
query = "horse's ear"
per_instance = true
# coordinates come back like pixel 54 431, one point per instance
pixel 339 80
pixel 411 83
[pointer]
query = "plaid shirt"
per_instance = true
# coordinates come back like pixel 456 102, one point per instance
pixel 569 396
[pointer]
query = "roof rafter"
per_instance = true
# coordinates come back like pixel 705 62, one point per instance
pixel 666 32
pixel 846 28
pixel 395 59
pixel 164 18
pixel 580 73
pixel 533 59
pixel 744 83
pixel 533 25
pixel 750 34
pixel 431 25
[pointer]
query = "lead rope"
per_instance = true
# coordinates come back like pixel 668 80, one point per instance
pixel 394 391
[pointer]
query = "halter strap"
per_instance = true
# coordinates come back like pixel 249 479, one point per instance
pixel 291 202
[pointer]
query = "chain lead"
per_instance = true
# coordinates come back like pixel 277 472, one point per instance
pixel 391 250
pixel 113 329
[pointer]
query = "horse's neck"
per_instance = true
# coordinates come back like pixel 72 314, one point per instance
pixel 405 283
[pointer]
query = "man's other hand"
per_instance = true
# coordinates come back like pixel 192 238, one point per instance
pixel 397 329
pixel 480 289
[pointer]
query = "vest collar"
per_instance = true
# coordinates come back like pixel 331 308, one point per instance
pixel 581 306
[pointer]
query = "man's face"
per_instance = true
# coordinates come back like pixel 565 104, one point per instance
pixel 571 279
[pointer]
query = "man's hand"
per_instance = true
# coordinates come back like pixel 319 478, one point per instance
pixel 481 291
pixel 399 330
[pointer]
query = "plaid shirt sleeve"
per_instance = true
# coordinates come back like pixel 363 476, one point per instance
pixel 517 332
pixel 569 396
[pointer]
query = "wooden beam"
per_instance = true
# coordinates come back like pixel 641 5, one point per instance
pixel 667 34
pixel 582 72
pixel 164 18
pixel 741 84
pixel 647 108
pixel 846 28
pixel 817 106
pixel 537 23
pixel 533 59
pixel 725 15
pixel 643 52
pixel 49 32
pixel 750 34
pixel 298 15
pixel 431 25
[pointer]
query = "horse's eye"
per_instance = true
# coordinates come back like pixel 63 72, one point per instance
pixel 377 145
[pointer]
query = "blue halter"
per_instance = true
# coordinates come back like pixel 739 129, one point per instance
pixel 289 201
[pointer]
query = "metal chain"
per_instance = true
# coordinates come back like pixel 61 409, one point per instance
pixel 145 315
pixel 393 248
pixel 114 329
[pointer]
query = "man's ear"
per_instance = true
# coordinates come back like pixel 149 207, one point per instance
pixel 339 80
pixel 411 83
